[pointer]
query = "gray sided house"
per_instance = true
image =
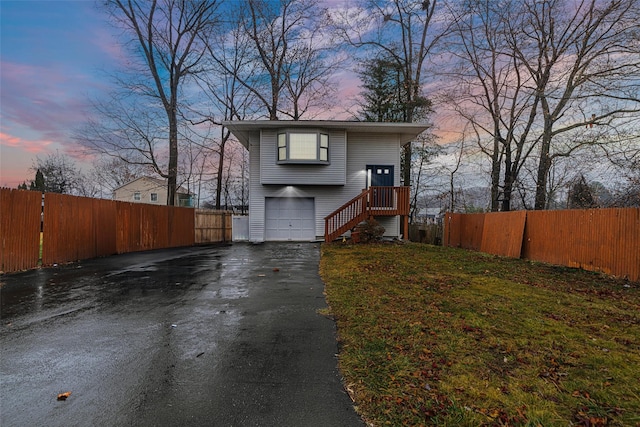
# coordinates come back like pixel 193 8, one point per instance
pixel 150 190
pixel 318 179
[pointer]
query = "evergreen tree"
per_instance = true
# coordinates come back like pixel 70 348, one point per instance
pixel 384 96
pixel 38 184
pixel 581 195
pixel 381 92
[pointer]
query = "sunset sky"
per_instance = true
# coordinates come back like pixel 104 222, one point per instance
pixel 55 56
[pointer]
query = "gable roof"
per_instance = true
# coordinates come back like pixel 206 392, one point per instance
pixel 407 131
pixel 160 183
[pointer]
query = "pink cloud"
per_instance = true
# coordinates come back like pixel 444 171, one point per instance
pixel 30 146
pixel 43 99
pixel 105 41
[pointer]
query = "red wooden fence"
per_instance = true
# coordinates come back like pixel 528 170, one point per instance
pixel 606 240
pixel 19 210
pixel 75 228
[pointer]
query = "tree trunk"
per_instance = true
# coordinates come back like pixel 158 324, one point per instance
pixel 406 153
pixel 223 141
pixel 509 174
pixel 172 179
pixel 543 172
pixel 495 173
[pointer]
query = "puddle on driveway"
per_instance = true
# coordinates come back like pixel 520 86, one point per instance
pixel 232 292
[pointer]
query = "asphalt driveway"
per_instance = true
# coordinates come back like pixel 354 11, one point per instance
pixel 205 336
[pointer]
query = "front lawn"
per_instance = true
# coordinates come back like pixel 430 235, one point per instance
pixel 440 336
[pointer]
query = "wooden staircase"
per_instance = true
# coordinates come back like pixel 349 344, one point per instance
pixel 374 201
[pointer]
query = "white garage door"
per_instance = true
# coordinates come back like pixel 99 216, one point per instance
pixel 289 218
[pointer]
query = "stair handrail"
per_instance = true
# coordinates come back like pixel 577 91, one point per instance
pixel 346 216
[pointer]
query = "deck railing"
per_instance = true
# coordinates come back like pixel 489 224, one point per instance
pixel 375 201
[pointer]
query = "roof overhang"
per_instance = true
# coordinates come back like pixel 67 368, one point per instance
pixel 406 131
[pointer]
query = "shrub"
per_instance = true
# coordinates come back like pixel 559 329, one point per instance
pixel 370 231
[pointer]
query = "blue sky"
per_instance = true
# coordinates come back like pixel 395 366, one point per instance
pixel 54 57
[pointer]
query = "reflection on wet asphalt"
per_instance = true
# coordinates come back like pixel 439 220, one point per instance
pixel 191 336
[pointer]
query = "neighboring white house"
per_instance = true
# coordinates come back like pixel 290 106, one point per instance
pixel 307 178
pixel 150 190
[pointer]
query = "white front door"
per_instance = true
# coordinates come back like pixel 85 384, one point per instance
pixel 290 218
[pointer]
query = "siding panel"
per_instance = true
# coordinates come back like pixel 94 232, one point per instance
pixel 299 174
pixel 256 192
pixel 362 149
pixel 371 149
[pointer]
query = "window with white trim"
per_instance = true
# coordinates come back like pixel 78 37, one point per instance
pixel 154 197
pixel 303 147
pixel 136 195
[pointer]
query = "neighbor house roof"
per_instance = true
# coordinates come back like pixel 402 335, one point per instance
pixel 407 131
pixel 161 183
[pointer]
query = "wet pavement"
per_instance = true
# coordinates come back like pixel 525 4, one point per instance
pixel 204 336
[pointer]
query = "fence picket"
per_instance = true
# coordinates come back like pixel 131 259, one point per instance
pixel 75 228
pixel 605 240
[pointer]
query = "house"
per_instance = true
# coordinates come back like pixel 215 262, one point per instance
pixel 318 179
pixel 150 190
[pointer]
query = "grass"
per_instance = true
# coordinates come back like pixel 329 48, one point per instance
pixel 440 336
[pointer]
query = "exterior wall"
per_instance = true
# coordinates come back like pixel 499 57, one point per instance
pixel 361 150
pixel 372 149
pixel 145 187
pixel 302 174
pixel 256 195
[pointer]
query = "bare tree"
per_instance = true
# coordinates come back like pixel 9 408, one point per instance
pixel 109 173
pixel 225 97
pixel 425 152
pixel 308 86
pixel 623 152
pixel 531 71
pixel 403 31
pixel 58 173
pixel 584 59
pixel 195 168
pixel 166 36
pixel 491 92
pixel 289 62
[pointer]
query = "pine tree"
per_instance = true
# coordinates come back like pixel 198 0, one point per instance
pixel 581 195
pixel 38 184
pixel 382 92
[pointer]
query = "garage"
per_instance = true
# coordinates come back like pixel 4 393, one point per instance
pixel 290 218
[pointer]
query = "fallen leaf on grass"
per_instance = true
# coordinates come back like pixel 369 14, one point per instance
pixel 63 396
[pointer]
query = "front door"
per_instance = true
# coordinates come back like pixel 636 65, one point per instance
pixel 380 176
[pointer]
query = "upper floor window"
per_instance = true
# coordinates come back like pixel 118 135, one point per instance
pixel 299 147
pixel 136 195
pixel 154 197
